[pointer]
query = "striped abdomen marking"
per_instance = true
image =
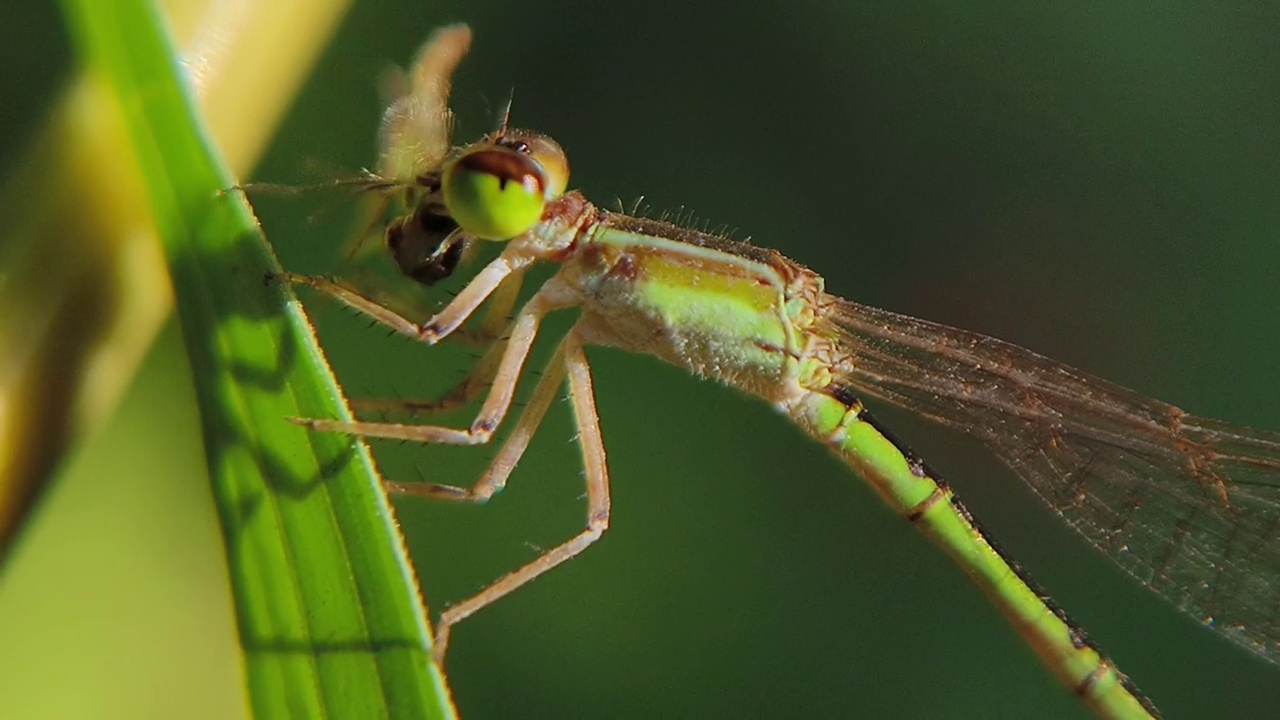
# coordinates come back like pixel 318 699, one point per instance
pixel 838 419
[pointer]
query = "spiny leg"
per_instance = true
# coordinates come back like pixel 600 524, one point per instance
pixel 597 477
pixel 495 406
pixel 503 298
pixel 481 375
pixel 476 381
pixel 495 476
pixel 443 323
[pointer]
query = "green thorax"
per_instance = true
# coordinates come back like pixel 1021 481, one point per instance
pixel 720 308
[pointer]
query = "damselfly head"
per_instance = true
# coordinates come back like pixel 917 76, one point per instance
pixel 496 188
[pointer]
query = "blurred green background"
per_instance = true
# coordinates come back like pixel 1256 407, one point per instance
pixel 1098 183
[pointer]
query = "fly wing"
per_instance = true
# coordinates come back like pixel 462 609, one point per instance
pixel 1189 506
pixel 414 137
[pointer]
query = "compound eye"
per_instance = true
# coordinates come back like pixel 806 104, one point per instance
pixel 550 158
pixel 494 192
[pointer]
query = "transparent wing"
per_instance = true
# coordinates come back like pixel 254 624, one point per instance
pixel 414 137
pixel 402 216
pixel 1189 506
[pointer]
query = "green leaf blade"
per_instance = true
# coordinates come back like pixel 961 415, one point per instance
pixel 327 607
